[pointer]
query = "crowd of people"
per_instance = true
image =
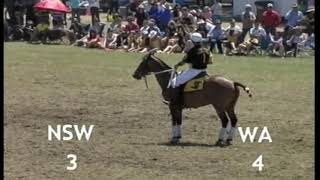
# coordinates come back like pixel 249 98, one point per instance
pixel 157 24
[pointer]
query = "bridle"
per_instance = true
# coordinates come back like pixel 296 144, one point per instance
pixel 172 72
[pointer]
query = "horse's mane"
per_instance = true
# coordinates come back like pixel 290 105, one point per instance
pixel 162 63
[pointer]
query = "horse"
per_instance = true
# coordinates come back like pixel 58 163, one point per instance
pixel 217 91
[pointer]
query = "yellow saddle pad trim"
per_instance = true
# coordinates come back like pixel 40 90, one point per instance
pixel 194 85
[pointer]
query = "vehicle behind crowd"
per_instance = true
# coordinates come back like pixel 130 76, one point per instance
pixel 140 26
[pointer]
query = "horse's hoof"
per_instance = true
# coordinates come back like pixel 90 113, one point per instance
pixel 221 143
pixel 175 140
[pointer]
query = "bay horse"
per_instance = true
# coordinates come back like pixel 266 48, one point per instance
pixel 217 91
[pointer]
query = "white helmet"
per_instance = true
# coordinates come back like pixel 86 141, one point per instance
pixel 196 37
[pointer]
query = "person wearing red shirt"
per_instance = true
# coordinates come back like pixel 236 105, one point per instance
pixel 270 19
pixel 131 26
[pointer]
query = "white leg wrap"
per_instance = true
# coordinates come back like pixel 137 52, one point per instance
pixel 223 134
pixel 232 132
pixel 176 131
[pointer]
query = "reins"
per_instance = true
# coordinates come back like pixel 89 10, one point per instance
pixel 172 72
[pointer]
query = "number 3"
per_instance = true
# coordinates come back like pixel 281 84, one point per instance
pixel 72 161
pixel 258 163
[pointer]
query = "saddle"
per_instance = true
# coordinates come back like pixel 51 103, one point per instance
pixel 196 83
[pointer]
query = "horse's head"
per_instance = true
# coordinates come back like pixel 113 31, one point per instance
pixel 144 67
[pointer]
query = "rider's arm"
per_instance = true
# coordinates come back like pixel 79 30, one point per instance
pixel 182 62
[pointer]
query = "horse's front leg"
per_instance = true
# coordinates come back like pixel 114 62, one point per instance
pixel 176 114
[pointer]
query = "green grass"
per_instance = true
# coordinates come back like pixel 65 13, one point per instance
pixel 49 85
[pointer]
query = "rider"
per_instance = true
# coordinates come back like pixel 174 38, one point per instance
pixel 198 57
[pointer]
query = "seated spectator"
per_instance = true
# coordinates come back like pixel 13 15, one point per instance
pixel 297 38
pixel 232 33
pixel 153 27
pixel 132 41
pixel 93 41
pixel 173 45
pixel 216 37
pixel 131 26
pixel 276 44
pixel 155 41
pixel 111 40
pixel 116 25
pixel 207 14
pixel 256 35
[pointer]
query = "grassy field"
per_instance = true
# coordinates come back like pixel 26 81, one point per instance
pixel 50 85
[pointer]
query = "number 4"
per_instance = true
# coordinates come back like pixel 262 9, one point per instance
pixel 72 161
pixel 258 163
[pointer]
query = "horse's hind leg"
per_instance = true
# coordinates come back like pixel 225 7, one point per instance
pixel 223 131
pixel 234 120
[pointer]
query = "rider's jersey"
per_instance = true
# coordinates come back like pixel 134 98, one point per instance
pixel 198 57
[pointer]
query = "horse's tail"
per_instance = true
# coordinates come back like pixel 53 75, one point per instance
pixel 244 88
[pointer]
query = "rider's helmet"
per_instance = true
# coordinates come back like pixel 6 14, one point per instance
pixel 196 37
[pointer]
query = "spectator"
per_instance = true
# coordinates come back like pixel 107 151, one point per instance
pixel 186 18
pixel 257 36
pixel 94 10
pixel 19 11
pixel 248 18
pixel 232 34
pixel 216 37
pixel 293 17
pixel 141 15
pixel 111 40
pixel 202 28
pixel 75 10
pixel 176 12
pixel 131 26
pixel 207 13
pixel 270 19
pixel 93 41
pixel 164 16
pixel 153 27
pixel 276 44
pixel 217 10
pixel 173 45
pixel 57 20
pixel 116 25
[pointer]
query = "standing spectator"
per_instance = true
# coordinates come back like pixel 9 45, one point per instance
pixel 30 11
pixel 216 10
pixel 216 36
pixel 270 19
pixel 94 10
pixel 19 12
pixel 75 11
pixel 293 17
pixel 248 18
pixel 141 15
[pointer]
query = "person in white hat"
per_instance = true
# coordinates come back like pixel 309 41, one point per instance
pixel 198 58
pixel 294 16
pixel 247 18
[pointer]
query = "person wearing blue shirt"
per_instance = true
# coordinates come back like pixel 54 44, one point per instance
pixel 163 16
pixel 294 16
pixel 75 11
pixel 216 36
